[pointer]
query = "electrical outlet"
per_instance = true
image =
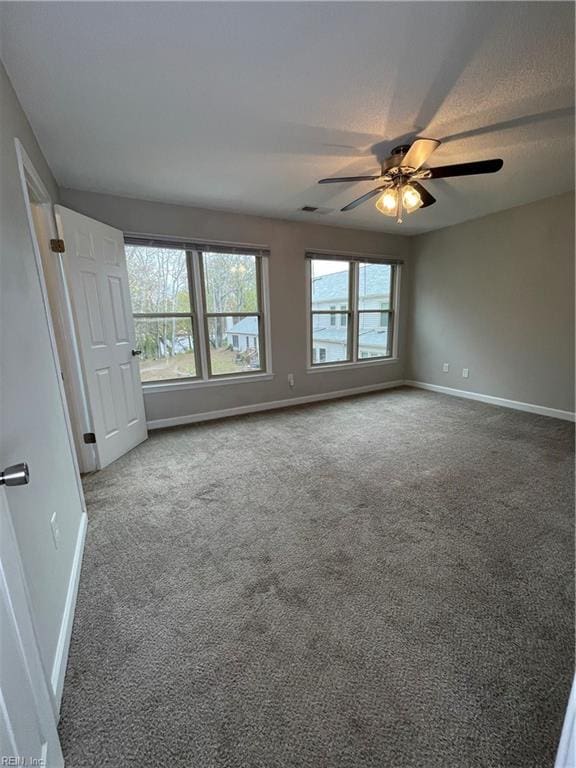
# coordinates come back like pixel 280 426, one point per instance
pixel 291 379
pixel 446 367
pixel 55 530
pixel 465 373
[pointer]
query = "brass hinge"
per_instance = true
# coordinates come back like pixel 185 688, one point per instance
pixel 57 246
pixel 89 437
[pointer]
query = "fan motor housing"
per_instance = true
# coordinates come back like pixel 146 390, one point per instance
pixel 394 161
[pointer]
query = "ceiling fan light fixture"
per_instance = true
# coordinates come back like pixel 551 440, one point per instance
pixel 411 199
pixel 387 203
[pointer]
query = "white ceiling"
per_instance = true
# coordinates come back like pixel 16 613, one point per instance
pixel 244 106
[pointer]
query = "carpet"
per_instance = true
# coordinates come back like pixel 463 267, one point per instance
pixel 384 580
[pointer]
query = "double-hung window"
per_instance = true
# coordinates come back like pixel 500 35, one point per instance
pixel 364 291
pixel 198 309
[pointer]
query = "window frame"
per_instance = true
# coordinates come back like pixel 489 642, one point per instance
pixel 353 358
pixel 259 314
pixel 193 315
pixel 199 316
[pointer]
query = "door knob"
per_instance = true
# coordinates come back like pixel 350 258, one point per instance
pixel 17 474
pixel 136 352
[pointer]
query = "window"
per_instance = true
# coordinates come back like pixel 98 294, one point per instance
pixel 322 355
pixel 197 310
pixel 330 288
pixel 163 306
pixel 351 309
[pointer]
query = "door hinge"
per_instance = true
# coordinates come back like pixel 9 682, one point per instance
pixel 57 246
pixel 89 437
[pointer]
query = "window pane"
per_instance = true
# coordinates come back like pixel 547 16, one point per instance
pixel 167 345
pixel 158 279
pixel 373 334
pixel 374 286
pixel 234 344
pixel 329 340
pixel 330 284
pixel 230 282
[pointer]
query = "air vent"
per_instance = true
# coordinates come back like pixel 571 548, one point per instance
pixel 316 209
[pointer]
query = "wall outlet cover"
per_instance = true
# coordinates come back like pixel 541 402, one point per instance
pixel 465 373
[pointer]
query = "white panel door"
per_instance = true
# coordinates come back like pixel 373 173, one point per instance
pixel 97 279
pixel 28 734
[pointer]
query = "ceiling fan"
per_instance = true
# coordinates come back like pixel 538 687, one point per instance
pixel 400 189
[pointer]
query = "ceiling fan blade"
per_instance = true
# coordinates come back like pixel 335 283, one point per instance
pixel 465 169
pixel 427 198
pixel 367 196
pixel 419 152
pixel 348 178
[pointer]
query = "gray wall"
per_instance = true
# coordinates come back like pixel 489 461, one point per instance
pixel 288 242
pixel 496 295
pixel 32 426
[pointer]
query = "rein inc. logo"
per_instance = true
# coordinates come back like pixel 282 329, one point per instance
pixel 21 761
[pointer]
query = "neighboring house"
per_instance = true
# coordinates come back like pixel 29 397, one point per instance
pixel 243 335
pixel 330 332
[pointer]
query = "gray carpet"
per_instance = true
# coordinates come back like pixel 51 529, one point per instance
pixel 378 581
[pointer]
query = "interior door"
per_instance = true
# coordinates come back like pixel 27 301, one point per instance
pixel 28 734
pixel 97 280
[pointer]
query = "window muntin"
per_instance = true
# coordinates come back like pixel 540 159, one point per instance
pixel 197 313
pixel 366 290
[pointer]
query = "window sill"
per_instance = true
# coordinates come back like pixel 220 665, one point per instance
pixel 323 368
pixel 173 386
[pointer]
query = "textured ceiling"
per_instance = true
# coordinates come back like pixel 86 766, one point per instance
pixel 244 106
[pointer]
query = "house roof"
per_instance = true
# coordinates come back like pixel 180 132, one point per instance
pixel 373 281
pixel 248 325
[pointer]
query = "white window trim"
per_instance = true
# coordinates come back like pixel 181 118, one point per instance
pixel 366 363
pixel 154 387
pixel 150 387
pixel 352 364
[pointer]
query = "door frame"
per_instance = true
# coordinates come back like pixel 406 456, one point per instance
pixel 61 328
pixel 14 593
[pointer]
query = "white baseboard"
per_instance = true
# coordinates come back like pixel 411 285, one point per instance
pixel 61 655
pixel 269 406
pixel 542 410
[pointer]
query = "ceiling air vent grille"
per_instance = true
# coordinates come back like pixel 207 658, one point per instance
pixel 316 209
